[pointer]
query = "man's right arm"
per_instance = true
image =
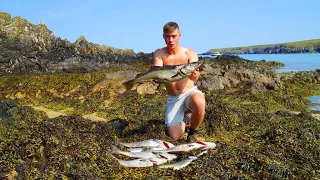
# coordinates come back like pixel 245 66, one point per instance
pixel 157 59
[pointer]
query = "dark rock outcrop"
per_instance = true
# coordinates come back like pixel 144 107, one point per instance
pixel 29 48
pixel 227 72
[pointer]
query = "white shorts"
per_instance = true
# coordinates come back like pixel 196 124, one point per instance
pixel 176 105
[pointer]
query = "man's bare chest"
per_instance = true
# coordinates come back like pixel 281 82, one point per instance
pixel 175 60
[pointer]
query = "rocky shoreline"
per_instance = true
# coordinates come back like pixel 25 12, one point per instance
pixel 258 117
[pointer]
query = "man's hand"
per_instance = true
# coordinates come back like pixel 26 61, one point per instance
pixel 195 75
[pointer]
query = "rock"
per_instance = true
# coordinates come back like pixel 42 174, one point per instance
pixel 28 48
pixel 147 88
pixel 213 83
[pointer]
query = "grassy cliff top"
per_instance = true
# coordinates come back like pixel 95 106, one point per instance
pixel 295 45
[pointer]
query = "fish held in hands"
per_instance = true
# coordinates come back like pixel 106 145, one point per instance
pixel 164 74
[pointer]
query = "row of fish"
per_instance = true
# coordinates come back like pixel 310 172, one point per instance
pixel 155 152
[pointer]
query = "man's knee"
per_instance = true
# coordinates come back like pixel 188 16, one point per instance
pixel 198 102
pixel 175 137
pixel 175 132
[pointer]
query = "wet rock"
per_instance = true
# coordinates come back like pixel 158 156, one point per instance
pixel 283 113
pixel 147 88
pixel 212 83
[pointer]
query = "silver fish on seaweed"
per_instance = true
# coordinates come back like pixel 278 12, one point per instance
pixel 135 162
pixel 188 147
pixel 159 159
pixel 181 164
pixel 146 154
pixel 148 143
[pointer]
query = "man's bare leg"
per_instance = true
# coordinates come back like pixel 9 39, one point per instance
pixel 176 131
pixel 197 104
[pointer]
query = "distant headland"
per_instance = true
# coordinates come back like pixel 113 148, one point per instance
pixel 305 46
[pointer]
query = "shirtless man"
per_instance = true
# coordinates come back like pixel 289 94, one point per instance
pixel 182 94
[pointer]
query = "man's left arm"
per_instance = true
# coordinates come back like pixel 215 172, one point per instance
pixel 193 57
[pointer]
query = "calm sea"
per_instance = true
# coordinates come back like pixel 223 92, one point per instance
pixel 293 62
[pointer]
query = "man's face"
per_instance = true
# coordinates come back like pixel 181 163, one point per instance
pixel 172 38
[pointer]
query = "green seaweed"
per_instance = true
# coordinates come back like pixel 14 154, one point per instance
pixel 260 134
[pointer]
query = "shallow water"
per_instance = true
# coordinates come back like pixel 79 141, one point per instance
pixel 315 100
pixel 293 62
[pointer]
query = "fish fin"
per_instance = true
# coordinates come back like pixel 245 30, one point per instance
pixel 129 84
pixel 112 156
pixel 153 82
pixel 175 75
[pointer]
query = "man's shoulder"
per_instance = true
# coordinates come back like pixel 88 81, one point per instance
pixel 160 50
pixel 189 51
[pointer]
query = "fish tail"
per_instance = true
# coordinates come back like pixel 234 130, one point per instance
pixel 113 157
pixel 116 143
pixel 115 150
pixel 129 84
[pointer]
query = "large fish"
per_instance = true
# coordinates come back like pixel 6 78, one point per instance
pixel 164 74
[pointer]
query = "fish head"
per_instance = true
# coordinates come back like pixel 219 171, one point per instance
pixel 208 145
pixel 192 157
pixel 178 67
pixel 189 68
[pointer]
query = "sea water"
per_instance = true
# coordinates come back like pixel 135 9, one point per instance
pixel 315 100
pixel 293 62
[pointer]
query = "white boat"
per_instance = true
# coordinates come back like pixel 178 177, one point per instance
pixel 216 54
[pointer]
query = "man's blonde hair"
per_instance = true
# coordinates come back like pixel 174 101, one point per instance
pixel 170 27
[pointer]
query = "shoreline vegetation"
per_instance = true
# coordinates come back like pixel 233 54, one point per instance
pixel 258 117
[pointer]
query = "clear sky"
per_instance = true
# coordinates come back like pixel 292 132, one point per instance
pixel 204 24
